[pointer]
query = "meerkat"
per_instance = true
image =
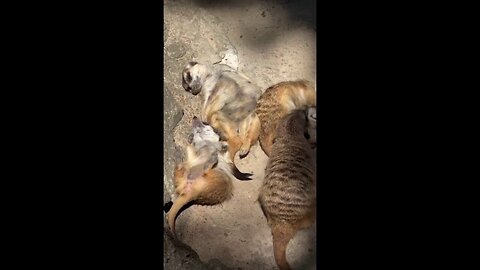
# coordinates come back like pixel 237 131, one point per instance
pixel 280 99
pixel 205 178
pixel 229 100
pixel 287 196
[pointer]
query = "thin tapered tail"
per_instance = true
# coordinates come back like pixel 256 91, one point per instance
pixel 281 237
pixel 177 205
pixel 234 145
pixel 238 174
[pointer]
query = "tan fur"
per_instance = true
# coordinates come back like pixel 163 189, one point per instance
pixel 247 135
pixel 212 187
pixel 229 104
pixel 276 102
pixel 287 196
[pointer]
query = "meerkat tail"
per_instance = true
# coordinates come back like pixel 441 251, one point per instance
pixel 238 174
pixel 228 166
pixel 234 145
pixel 281 237
pixel 177 205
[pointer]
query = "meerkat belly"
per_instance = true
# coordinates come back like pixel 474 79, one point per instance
pixel 215 187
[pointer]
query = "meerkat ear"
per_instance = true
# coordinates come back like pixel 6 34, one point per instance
pixel 312 114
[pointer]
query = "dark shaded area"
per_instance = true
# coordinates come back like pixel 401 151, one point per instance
pixel 167 206
pixel 181 256
pixel 304 11
pixel 301 13
pixel 223 3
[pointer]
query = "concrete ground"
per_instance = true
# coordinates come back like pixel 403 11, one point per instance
pixel 269 41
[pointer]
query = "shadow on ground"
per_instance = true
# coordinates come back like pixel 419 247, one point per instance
pixel 286 14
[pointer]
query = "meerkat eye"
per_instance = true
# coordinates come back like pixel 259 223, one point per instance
pixel 189 77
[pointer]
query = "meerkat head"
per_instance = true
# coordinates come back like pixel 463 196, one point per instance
pixel 193 77
pixel 202 134
pixel 293 124
pixel 202 153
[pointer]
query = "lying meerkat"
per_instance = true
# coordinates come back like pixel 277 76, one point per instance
pixel 280 99
pixel 229 100
pixel 287 196
pixel 205 178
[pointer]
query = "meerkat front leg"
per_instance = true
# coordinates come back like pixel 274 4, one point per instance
pixel 249 132
pixel 228 132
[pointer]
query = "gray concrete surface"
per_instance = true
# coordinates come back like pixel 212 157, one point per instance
pixel 269 41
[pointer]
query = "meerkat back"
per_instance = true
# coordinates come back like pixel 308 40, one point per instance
pixel 287 196
pixel 276 102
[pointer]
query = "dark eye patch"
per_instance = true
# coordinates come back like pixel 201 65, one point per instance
pixel 189 77
pixel 190 138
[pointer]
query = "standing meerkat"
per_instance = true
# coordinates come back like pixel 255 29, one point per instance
pixel 280 99
pixel 287 196
pixel 205 178
pixel 229 100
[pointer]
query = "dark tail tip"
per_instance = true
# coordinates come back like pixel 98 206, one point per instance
pixel 167 206
pixel 239 175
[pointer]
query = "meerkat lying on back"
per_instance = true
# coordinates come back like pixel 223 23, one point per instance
pixel 205 178
pixel 287 196
pixel 280 99
pixel 229 100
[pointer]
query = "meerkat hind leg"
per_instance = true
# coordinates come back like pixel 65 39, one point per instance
pixel 228 131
